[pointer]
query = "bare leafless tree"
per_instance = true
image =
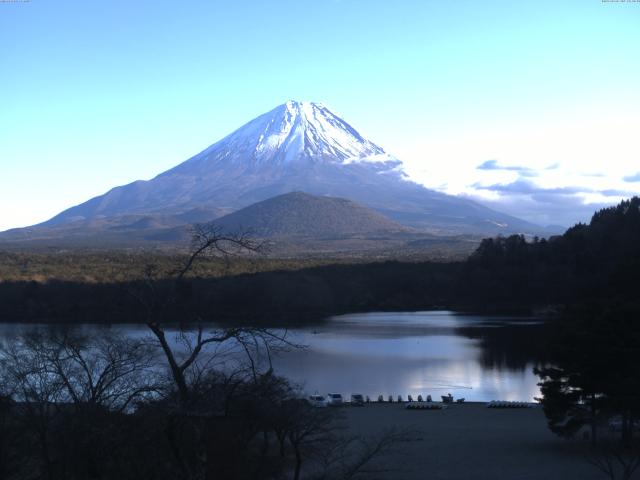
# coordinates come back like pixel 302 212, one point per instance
pixel 64 367
pixel 309 431
pixel 208 240
pixel 354 457
pixel 318 438
pixel 190 357
pixel 616 461
pixel 62 384
pixel 37 394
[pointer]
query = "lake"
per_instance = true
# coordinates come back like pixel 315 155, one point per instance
pixel 477 357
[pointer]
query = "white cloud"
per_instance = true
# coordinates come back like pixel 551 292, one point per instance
pixel 551 174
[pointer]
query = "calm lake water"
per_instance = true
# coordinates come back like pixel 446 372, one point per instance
pixel 477 357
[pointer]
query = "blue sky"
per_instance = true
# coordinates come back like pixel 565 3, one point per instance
pixel 543 96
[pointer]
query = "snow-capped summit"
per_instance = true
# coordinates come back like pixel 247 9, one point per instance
pixel 297 146
pixel 295 132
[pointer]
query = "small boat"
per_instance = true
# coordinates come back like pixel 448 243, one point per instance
pixel 425 406
pixel 508 404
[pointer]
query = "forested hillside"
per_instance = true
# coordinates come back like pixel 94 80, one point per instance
pixel 599 262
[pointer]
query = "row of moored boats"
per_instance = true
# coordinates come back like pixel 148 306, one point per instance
pixel 419 403
pixel 508 404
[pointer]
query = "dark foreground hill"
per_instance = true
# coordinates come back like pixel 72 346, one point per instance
pixel 299 214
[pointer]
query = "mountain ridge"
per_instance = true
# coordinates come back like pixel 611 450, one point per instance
pixel 298 146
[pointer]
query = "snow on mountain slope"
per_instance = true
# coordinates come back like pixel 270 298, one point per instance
pixel 295 132
pixel 297 146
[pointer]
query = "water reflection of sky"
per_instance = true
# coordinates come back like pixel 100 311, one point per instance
pixel 394 353
pixel 404 353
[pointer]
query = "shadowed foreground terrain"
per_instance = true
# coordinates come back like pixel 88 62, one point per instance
pixel 181 415
pixel 473 441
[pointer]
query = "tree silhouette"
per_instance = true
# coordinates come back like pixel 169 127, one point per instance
pixel 595 372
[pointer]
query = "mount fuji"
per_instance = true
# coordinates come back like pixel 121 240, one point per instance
pixel 297 146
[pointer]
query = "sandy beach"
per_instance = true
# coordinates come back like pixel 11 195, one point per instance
pixel 471 441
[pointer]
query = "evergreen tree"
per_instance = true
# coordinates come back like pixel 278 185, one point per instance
pixel 596 371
